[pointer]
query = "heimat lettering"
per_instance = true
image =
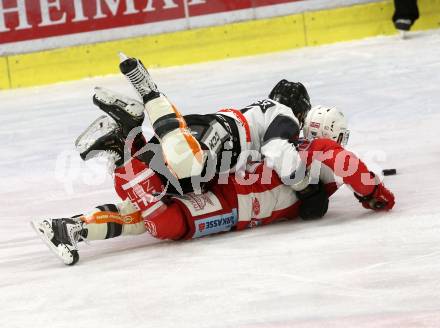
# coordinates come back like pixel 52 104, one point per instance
pixel 15 14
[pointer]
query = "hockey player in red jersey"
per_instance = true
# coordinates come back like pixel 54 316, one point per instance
pixel 231 201
pixel 267 127
pixel 235 205
pixel 261 197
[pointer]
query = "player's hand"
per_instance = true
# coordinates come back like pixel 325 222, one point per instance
pixel 314 202
pixel 380 199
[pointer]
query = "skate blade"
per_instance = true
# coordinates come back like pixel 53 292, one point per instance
pixel 101 126
pixel 403 35
pixel 122 57
pixel 40 232
pixel 109 101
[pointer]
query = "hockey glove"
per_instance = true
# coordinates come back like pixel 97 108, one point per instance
pixel 314 202
pixel 380 199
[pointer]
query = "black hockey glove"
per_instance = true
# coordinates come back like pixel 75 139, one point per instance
pixel 314 202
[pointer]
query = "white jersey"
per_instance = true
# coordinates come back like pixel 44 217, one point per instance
pixel 269 128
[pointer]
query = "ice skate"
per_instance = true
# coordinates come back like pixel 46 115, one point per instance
pixel 102 138
pixel 403 24
pixel 140 79
pixel 62 236
pixel 403 34
pixel 127 112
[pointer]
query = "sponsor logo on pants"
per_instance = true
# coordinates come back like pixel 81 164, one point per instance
pixel 215 224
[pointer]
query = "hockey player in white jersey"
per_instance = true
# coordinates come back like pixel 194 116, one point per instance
pixel 268 127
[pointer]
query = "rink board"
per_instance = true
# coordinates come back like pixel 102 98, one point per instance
pixel 158 51
pixel 4 73
pixel 348 23
pixel 211 43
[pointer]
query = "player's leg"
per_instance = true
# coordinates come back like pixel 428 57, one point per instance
pixel 104 222
pixel 405 14
pixel 181 150
pixel 134 181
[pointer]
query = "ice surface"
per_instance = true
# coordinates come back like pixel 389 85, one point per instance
pixel 354 268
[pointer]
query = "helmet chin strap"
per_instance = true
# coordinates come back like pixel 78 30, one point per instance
pixel 301 118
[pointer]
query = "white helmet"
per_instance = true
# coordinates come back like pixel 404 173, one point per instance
pixel 326 122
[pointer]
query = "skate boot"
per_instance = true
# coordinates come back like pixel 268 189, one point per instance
pixel 62 236
pixel 103 138
pixel 127 112
pixel 138 76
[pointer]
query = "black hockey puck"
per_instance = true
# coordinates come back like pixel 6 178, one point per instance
pixel 389 172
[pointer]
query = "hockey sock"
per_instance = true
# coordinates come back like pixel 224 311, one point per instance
pixel 106 222
pixel 181 150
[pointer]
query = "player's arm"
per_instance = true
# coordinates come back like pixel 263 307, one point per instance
pixel 345 165
pixel 278 146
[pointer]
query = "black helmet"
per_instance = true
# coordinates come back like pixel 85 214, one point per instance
pixel 293 95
